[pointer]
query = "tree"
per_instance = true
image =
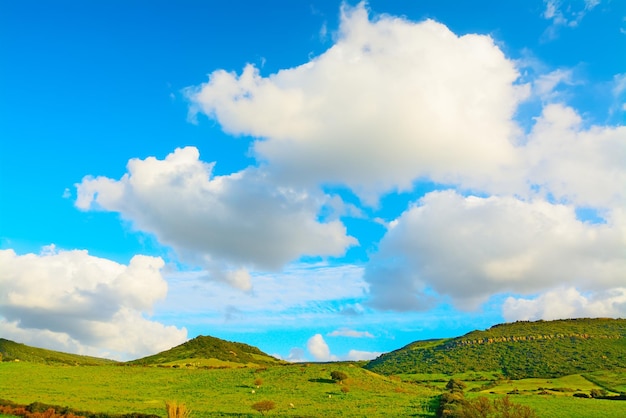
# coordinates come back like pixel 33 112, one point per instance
pixel 455 385
pixel 258 382
pixel 338 376
pixel 264 406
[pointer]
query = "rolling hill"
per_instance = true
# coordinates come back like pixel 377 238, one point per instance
pixel 209 352
pixel 12 351
pixel 517 350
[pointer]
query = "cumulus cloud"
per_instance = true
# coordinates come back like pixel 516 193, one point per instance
pixel 567 303
pixel 346 332
pixel 72 301
pixel 465 249
pixel 390 102
pixel 319 349
pixel 582 166
pixel 227 224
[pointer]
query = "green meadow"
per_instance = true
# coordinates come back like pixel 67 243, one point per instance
pixel 302 390
pixel 297 390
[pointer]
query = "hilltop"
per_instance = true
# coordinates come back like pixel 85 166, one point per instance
pixel 12 351
pixel 517 350
pixel 209 352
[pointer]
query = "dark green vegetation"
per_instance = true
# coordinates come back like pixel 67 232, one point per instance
pixel 213 377
pixel 517 350
pixel 196 352
pixel 12 351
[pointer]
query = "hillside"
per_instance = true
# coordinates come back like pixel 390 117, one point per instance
pixel 209 351
pixel 12 351
pixel 518 350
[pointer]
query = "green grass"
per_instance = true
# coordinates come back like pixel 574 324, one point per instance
pixel 229 391
pixel 555 406
pixel 222 392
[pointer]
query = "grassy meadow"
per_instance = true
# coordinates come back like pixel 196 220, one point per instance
pixel 217 392
pixel 297 389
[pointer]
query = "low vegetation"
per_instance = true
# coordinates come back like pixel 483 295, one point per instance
pixel 196 351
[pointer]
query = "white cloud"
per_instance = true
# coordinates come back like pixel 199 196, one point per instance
pixel 226 224
pixel 545 86
pixel 567 303
pixel 466 249
pixel 565 14
pixel 319 349
pixel 72 301
pixel 390 102
pixel 346 332
pixel 356 355
pixel 300 294
pixel 582 166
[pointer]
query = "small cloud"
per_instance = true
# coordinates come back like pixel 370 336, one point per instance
pixel 356 355
pixel 352 309
pixel 564 16
pixel 319 349
pixel 296 355
pixel 346 332
pixel 66 193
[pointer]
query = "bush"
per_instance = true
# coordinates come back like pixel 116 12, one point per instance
pixel 598 393
pixel 264 406
pixel 338 376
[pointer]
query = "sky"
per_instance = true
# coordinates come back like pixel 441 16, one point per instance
pixel 324 180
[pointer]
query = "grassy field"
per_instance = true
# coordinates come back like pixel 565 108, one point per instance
pixel 297 389
pixel 223 392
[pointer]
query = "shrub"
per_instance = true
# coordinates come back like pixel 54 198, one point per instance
pixel 264 406
pixel 338 376
pixel 598 393
pixel 176 410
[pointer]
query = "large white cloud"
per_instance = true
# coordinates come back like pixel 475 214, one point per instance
pixel 469 248
pixel 584 166
pixel 391 101
pixel 72 301
pixel 567 302
pixel 224 223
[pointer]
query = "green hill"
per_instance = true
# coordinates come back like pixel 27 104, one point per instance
pixel 12 351
pixel 517 350
pixel 209 352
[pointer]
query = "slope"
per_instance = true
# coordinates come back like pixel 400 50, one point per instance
pixel 202 348
pixel 12 351
pixel 517 350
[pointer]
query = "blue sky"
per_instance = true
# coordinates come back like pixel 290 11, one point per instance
pixel 321 179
